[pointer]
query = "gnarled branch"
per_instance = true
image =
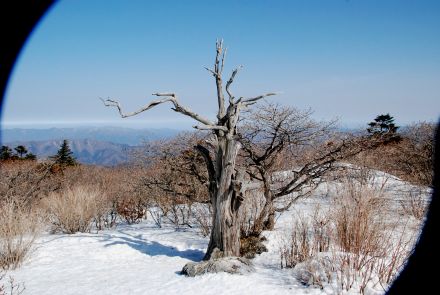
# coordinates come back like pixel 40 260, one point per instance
pixel 169 97
pixel 230 81
pixel 250 101
pixel 211 127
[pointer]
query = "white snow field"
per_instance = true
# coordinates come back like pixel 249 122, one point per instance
pixel 144 259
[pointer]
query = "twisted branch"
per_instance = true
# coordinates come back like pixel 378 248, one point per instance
pixel 169 97
pixel 230 81
pixel 250 101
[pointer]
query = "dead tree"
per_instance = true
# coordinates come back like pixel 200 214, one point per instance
pixel 226 188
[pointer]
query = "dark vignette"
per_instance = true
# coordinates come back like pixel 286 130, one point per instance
pixel 17 20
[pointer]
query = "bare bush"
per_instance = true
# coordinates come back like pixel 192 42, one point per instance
pixel 18 230
pixel 132 210
pixel 299 246
pixel 74 209
pixel 317 271
pixel 357 226
pixel 410 158
pixel 202 214
pixel 307 238
pixel 414 204
pixel 250 211
pixel 106 218
pixel 10 287
pixel 360 237
pixel 389 266
pixel 322 230
pixel 356 245
pixel 156 214
pixel 180 215
pixel 27 181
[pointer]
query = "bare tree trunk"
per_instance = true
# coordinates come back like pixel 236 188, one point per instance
pixel 225 234
pixel 266 217
pixel 269 223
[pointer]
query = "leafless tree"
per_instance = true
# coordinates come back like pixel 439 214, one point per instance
pixel 289 153
pixel 280 150
pixel 174 169
pixel 226 188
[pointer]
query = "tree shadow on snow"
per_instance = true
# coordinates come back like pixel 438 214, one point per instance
pixel 153 248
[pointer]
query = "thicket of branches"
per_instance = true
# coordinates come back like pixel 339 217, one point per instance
pixel 410 158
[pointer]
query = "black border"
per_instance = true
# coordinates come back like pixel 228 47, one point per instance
pixel 17 20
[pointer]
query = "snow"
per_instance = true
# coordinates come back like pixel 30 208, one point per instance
pixel 136 259
pixel 145 259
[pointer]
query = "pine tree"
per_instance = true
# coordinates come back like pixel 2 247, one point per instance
pixel 64 156
pixel 5 153
pixel 21 150
pixel 383 124
pixel 30 156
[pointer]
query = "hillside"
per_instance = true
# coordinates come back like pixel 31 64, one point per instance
pixel 86 151
pixel 107 146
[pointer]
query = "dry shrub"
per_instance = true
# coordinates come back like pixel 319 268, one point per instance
pixel 389 266
pixel 179 214
pixel 132 210
pixel 356 215
pixel 156 214
pixel 317 271
pixel 361 238
pixel 307 238
pixel 355 246
pixel 27 181
pixel 411 158
pixel 299 245
pixel 252 245
pixel 202 218
pixel 10 287
pixel 249 212
pixel 74 209
pixel 322 230
pixel 414 204
pixel 19 228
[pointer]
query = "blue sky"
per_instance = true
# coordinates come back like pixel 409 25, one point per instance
pixel 350 60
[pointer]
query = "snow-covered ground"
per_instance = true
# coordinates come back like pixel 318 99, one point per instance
pixel 139 259
pixel 144 259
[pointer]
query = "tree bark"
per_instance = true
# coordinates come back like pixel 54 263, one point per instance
pixel 225 234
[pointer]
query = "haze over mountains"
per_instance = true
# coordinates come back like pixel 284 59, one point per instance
pixel 121 135
pixel 106 146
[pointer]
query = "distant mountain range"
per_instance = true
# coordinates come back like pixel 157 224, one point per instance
pixel 120 135
pixel 86 151
pixel 106 146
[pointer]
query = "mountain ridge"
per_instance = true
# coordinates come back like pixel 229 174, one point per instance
pixel 86 151
pixel 120 135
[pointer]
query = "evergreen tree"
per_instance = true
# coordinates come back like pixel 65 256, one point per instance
pixel 64 156
pixel 20 150
pixel 5 153
pixel 30 156
pixel 382 124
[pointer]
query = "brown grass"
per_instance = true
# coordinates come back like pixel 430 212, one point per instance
pixel 74 209
pixel 354 245
pixel 18 230
pixel 299 245
pixel 414 204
